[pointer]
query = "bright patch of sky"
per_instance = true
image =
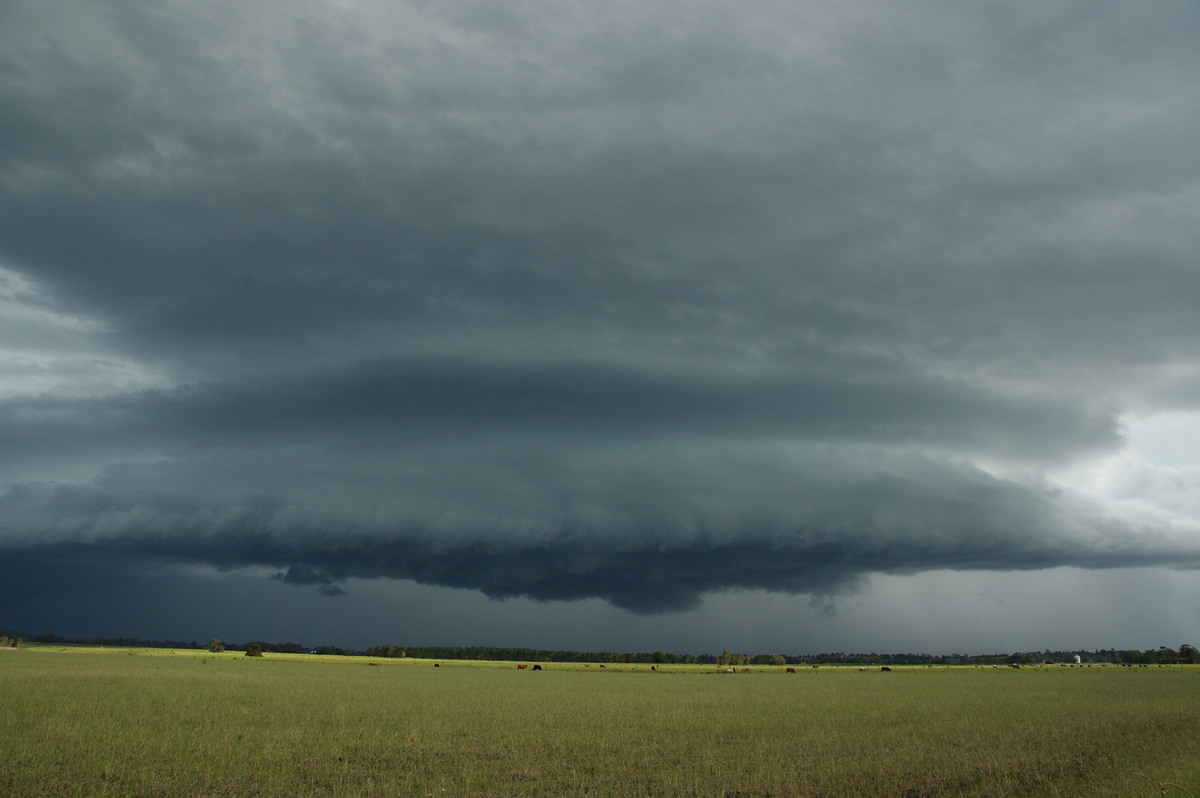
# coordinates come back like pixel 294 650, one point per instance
pixel 1155 477
pixel 46 351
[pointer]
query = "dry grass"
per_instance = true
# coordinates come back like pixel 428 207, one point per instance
pixel 83 723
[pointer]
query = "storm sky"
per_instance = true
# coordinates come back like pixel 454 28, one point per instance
pixel 771 326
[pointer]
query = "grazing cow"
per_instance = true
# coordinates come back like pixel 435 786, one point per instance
pixel 522 667
pixel 791 670
pixel 373 664
pixel 730 670
pixel 601 666
pixel 885 668
pixel 653 667
pixel 537 667
pixel 1014 665
pixel 437 664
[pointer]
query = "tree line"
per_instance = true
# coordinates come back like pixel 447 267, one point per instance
pixel 1162 655
pixel 536 655
pixel 134 642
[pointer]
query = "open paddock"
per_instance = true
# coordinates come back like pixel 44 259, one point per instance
pixel 114 722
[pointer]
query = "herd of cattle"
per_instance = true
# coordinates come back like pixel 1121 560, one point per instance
pixel 790 669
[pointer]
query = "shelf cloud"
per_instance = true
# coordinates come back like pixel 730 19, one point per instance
pixel 631 304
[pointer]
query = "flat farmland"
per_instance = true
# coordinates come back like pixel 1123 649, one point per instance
pixel 139 723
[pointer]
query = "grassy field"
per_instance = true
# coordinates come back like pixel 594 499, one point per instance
pixel 140 723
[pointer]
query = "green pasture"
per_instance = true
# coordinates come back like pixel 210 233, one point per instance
pixel 113 722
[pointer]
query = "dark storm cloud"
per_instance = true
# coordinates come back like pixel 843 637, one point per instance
pixel 220 201
pixel 633 302
pixel 577 401
pixel 304 575
pixel 645 536
pixel 820 537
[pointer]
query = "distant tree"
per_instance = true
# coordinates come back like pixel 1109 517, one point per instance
pixel 1189 653
pixel 254 650
pixel 215 646
pixel 395 652
pixel 729 658
pixel 778 659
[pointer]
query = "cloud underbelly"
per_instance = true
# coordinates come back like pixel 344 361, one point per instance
pixel 647 529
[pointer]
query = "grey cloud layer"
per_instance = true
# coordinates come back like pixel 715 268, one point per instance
pixel 644 539
pixel 582 402
pixel 219 198
pixel 625 302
